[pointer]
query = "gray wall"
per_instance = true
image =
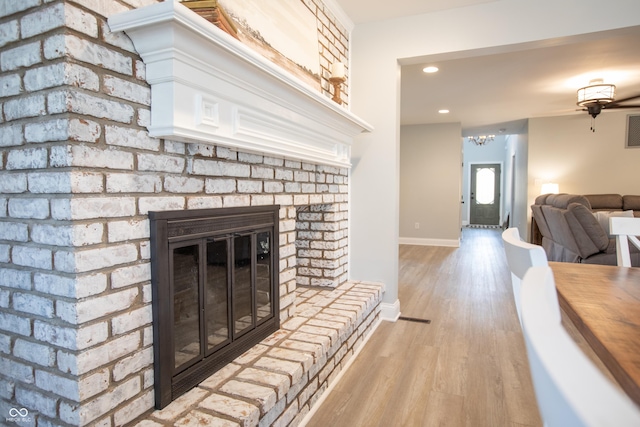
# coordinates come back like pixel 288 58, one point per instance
pixel 430 184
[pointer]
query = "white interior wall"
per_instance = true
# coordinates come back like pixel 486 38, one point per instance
pixel 375 83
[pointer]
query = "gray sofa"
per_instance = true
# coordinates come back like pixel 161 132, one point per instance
pixel 574 228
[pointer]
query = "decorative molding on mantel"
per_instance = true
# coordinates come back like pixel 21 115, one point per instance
pixel 208 87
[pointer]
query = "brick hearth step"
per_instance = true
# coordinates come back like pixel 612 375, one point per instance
pixel 277 382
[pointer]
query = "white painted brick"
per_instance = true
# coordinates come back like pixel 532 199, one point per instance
pixel 4 253
pixel 58 385
pixel 204 202
pixel 93 384
pixel 84 103
pixel 140 71
pixel 264 396
pixel 174 146
pixel 95 259
pixel 83 414
pixel 38 354
pixel 284 174
pixel 10 85
pixel 181 184
pixel 5 345
pixel 21 56
pixel 65 182
pixel 61 74
pixel 15 324
pixel 249 158
pixel 32 257
pixel 292 187
pixel 130 275
pixel 133 183
pixel 28 208
pixel 61 45
pixel 272 161
pixel 28 158
pixel 9 32
pixel 84 156
pixel 42 20
pixel 131 229
pixel 294 164
pixel 261 200
pixel 144 120
pixel 11 135
pixel 20 108
pixel 160 163
pixel 76 287
pixel 33 304
pixel 92 207
pixel 52 130
pixel 131 320
pixel 251 187
pixel 226 153
pixel 204 150
pixel 67 235
pixel 36 401
pixel 98 356
pixel 273 187
pixel 96 307
pixel 19 279
pixel 146 204
pixel 104 8
pixel 246 413
pixel 134 409
pixel 261 172
pixel 220 185
pixel 125 89
pixel 134 363
pixel 14 231
pixel 10 7
pixel 127 137
pixel 71 338
pixel 233 201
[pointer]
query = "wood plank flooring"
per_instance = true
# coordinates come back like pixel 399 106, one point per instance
pixel 468 367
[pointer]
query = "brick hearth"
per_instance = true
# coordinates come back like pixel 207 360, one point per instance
pixel 278 381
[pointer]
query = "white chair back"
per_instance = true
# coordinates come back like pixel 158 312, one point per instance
pixel 625 230
pixel 520 257
pixel 569 389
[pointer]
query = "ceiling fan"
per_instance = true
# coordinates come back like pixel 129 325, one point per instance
pixel 599 96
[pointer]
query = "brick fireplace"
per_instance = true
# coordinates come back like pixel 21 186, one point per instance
pixel 85 156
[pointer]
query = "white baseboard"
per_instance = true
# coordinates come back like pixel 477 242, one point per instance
pixel 453 243
pixel 390 312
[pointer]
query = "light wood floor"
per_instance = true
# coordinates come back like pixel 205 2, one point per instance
pixel 467 368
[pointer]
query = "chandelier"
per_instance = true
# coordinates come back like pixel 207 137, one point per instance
pixel 481 140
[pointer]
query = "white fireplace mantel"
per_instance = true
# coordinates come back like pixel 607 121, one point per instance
pixel 208 87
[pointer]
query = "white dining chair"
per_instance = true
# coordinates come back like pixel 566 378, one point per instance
pixel 569 388
pixel 625 229
pixel 520 257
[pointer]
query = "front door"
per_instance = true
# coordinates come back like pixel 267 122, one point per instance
pixel 485 194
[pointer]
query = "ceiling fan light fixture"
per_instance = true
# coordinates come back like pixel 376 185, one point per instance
pixel 597 93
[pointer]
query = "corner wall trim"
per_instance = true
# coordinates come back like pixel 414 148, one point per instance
pixel 454 243
pixel 390 312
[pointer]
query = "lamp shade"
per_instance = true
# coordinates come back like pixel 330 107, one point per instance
pixel 550 188
pixel 596 93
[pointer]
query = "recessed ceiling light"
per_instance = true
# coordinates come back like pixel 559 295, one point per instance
pixel 430 69
pixel 443 111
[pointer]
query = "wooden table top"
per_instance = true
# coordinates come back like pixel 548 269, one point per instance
pixel 603 302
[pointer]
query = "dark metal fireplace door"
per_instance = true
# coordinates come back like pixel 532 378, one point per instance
pixel 215 290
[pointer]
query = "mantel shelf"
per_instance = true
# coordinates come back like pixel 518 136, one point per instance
pixel 208 87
